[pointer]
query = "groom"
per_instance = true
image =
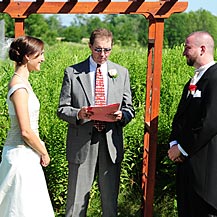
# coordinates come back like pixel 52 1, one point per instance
pixel 91 150
pixel 194 132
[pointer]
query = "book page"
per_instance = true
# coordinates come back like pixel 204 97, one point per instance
pixel 101 113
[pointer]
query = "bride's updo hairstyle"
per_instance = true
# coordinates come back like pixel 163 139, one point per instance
pixel 25 45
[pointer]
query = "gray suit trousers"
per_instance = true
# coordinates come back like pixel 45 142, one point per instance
pixel 81 177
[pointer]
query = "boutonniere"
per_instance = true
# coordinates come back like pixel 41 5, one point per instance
pixel 192 88
pixel 113 73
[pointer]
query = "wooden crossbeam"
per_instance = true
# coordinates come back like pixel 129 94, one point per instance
pixel 21 9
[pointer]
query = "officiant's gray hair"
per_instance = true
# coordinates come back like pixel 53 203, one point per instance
pixel 99 33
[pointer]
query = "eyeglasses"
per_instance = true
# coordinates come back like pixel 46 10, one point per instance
pixel 100 50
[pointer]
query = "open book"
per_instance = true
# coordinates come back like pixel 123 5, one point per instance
pixel 101 113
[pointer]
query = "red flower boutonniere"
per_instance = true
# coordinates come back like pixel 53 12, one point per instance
pixel 192 88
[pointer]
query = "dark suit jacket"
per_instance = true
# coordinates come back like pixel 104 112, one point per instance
pixel 195 129
pixel 76 92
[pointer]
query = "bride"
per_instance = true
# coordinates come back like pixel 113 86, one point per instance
pixel 23 189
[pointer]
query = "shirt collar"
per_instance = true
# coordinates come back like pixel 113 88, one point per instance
pixel 203 68
pixel 200 71
pixel 94 64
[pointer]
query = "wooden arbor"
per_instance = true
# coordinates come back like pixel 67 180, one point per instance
pixel 155 12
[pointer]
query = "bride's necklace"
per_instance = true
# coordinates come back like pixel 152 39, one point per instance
pixel 23 79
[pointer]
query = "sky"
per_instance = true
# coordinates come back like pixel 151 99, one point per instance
pixel 209 5
pixel 193 5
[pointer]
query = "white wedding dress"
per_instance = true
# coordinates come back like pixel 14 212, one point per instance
pixel 23 188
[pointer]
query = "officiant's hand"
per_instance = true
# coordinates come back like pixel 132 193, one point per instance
pixel 116 116
pixel 84 113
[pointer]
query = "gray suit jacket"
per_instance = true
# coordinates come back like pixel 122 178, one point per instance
pixel 76 93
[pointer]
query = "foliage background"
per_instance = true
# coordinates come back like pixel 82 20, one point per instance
pixel 47 84
pixel 128 29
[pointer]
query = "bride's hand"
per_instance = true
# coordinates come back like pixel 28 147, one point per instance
pixel 45 160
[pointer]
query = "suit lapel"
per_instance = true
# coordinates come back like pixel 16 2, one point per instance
pixel 185 101
pixel 85 81
pixel 111 85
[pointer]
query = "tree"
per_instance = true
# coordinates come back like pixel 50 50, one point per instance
pixel 202 20
pixel 127 29
pixel 94 22
pixel 143 31
pixel 72 34
pixel 179 26
pixel 175 30
pixel 54 24
pixel 9 25
pixel 36 25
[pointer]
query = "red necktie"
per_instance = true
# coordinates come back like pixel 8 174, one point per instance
pixel 99 96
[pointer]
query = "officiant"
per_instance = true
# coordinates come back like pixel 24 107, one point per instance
pixel 95 148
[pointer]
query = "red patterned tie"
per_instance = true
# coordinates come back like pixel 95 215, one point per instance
pixel 99 96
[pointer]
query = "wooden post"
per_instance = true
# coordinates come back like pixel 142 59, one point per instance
pixel 19 27
pixel 153 78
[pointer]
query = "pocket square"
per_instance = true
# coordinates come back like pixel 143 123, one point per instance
pixel 197 93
